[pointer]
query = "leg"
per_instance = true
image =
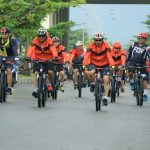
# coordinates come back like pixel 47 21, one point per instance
pixel 9 77
pixel 106 84
pixel 76 75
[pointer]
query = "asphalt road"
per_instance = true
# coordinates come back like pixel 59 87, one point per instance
pixel 71 123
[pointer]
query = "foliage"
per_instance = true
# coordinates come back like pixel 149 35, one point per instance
pixel 60 28
pixel 77 35
pixel 24 16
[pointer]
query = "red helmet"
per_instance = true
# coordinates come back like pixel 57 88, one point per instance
pixel 117 45
pixel 5 30
pixel 143 35
pixel 98 36
pixel 56 39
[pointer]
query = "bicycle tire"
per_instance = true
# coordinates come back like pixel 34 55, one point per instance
pixel 1 83
pixel 4 87
pixel 136 90
pixel 140 92
pixel 79 85
pixel 39 91
pixel 117 89
pixel 44 95
pixel 97 96
pixel 113 90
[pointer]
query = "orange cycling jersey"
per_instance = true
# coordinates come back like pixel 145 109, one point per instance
pixel 42 50
pixel 61 53
pixel 77 55
pixel 116 58
pixel 97 55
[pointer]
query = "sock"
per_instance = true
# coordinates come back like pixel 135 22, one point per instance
pixel 61 83
pixel 104 97
pixel 145 92
pixel 131 81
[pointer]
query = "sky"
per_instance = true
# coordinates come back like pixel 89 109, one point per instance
pixel 117 22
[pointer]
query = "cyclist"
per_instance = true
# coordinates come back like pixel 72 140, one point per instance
pixel 96 56
pixel 8 48
pixel 117 57
pixel 42 49
pixel 77 55
pixel 61 59
pixel 137 57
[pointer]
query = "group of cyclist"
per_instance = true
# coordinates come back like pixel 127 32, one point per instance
pixel 98 54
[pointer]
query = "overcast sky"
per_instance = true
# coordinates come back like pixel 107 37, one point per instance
pixel 116 22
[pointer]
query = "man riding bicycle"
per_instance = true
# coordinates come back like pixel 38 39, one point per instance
pixel 61 59
pixel 97 56
pixel 117 57
pixel 8 48
pixel 137 57
pixel 77 55
pixel 42 49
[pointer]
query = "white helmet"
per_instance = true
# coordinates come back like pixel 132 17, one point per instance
pixel 98 36
pixel 79 43
pixel 41 31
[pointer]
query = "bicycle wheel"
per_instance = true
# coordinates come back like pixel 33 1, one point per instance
pixel 136 91
pixel 97 96
pixel 140 91
pixel 4 87
pixel 113 90
pixel 79 85
pixel 44 95
pixel 117 88
pixel 39 91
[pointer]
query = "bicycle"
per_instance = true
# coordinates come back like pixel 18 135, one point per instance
pixel 56 82
pixel 42 78
pixel 138 84
pixel 80 79
pixel 99 88
pixel 114 84
pixel 3 76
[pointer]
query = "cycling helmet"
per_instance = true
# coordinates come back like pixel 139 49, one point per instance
pixel 117 45
pixel 79 43
pixel 5 30
pixel 98 36
pixel 56 39
pixel 42 32
pixel 143 35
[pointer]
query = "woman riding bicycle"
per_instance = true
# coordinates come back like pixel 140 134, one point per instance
pixel 117 57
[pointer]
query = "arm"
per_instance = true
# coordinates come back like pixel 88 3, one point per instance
pixel 86 60
pixel 14 47
pixel 129 53
pixel 110 59
pixel 54 51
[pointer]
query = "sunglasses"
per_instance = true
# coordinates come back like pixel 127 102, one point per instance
pixel 116 48
pixel 41 36
pixel 99 40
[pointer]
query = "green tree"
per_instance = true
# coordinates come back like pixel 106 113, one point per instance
pixel 77 35
pixel 25 16
pixel 147 22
